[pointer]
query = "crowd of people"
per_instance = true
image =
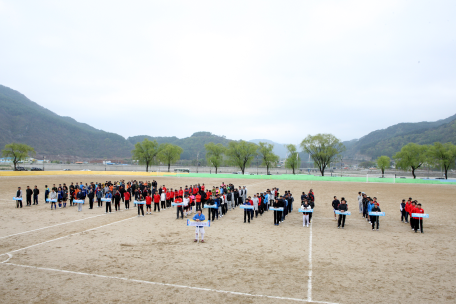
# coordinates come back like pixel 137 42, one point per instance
pixel 194 198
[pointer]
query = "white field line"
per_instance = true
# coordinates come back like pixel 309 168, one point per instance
pixel 169 285
pixel 309 280
pixel 4 237
pixel 68 236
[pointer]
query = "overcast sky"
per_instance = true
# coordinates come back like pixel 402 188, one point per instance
pixel 278 70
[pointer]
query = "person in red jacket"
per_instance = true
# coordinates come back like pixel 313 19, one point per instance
pixel 203 187
pixel 198 201
pixel 195 190
pixel 411 210
pixel 156 202
pixel 418 220
pixel 127 200
pixel 181 193
pixel 180 209
pixel 148 204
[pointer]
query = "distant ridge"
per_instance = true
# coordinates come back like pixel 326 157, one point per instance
pixel 390 140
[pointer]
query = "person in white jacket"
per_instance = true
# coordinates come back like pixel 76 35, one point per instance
pixel 53 197
pixel 255 204
pixel 305 215
pixel 360 202
pixel 186 201
pixel 163 200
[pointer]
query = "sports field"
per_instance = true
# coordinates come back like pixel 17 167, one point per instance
pixel 68 256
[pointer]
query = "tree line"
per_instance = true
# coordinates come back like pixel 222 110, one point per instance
pixel 322 148
pixel 414 156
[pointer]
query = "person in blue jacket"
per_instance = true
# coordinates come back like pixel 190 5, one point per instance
pixel 108 204
pixel 370 205
pixel 199 217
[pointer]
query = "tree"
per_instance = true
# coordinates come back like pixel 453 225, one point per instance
pixel 145 152
pixel 366 164
pixel 293 161
pixel 18 152
pixel 241 153
pixel 268 157
pixel 412 156
pixel 383 162
pixel 214 154
pixel 169 153
pixel 322 148
pixel 444 155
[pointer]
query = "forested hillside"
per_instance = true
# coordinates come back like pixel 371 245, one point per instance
pixel 392 139
pixel 24 121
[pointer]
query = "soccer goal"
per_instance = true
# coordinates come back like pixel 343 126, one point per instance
pixel 381 178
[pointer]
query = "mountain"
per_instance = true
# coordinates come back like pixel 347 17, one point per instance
pixel 390 140
pixel 24 121
pixel 191 145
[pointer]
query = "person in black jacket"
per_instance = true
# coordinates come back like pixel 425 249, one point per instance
pixel 28 194
pixel 91 196
pixel 335 204
pixel 35 195
pixel 375 219
pixel 116 198
pixel 403 212
pixel 365 203
pixel 342 208
pixel 19 195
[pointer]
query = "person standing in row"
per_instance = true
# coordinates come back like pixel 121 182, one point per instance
pixel 117 198
pixel 36 192
pixel 91 196
pixel 19 195
pixel 108 203
pixel 156 202
pixel 53 197
pixel 28 194
pixel 247 212
pixel 46 193
pixel 163 199
pixel 99 197
pixel 305 215
pixel 335 205
pixel 342 208
pixel 360 202
pixel 375 219
pixel 148 203
pixel 180 209
pixel 403 212
pixel 418 220
pixel 127 196
pixel 140 205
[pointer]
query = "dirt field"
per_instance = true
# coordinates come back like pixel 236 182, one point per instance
pixel 97 258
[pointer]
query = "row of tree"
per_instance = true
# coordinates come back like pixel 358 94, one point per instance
pixel 413 156
pixel 322 148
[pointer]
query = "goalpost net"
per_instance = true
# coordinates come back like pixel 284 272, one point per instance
pixel 381 178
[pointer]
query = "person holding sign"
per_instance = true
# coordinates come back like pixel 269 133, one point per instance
pixel 247 212
pixel 53 197
pixel 108 203
pixel 342 208
pixel 19 195
pixel 141 205
pixel 199 217
pixel 305 216
pixel 375 219
pixel 418 220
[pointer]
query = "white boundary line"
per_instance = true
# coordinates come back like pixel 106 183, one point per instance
pixel 170 285
pixel 62 237
pixel 309 280
pixel 4 237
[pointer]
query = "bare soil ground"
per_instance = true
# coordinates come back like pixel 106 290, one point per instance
pixel 97 258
